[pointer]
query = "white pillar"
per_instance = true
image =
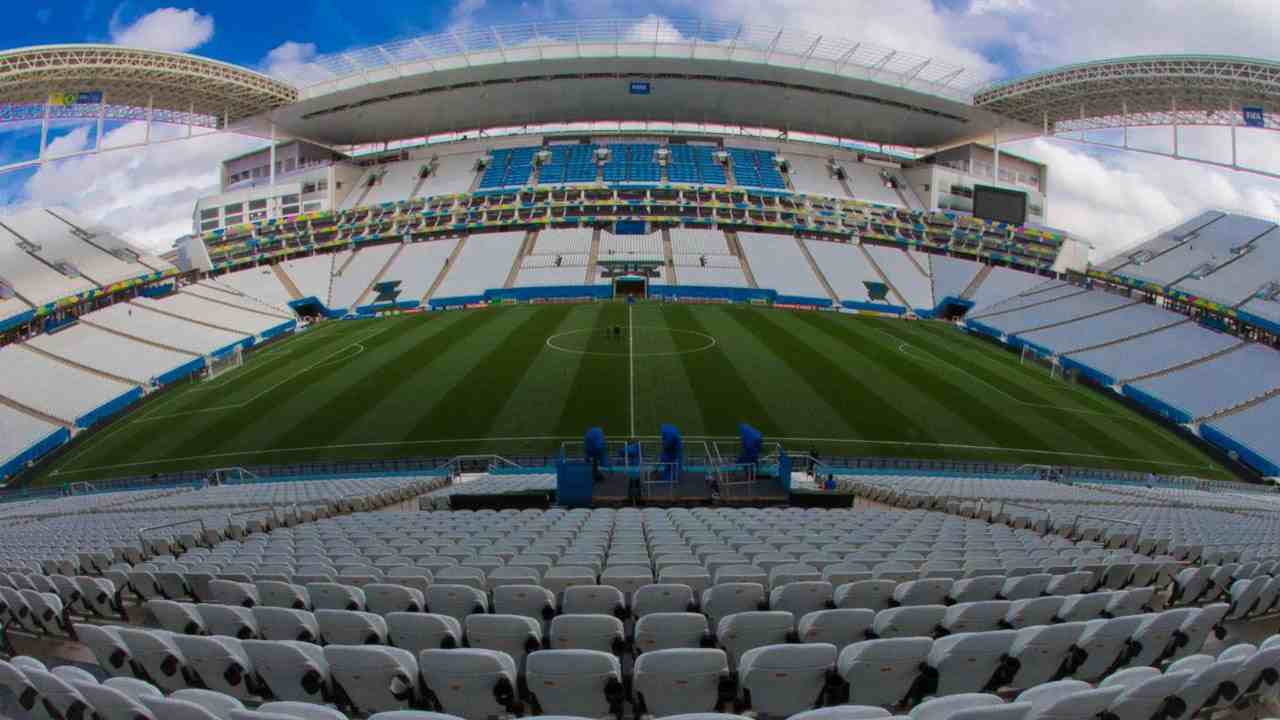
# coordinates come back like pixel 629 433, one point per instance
pixel 1232 112
pixel 995 146
pixel 151 103
pixel 102 116
pixel 44 129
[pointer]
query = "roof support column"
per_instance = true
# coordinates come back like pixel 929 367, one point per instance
pixel 151 111
pixel 1173 104
pixel 102 116
pixel 1231 104
pixel 1124 112
pixel 44 130
pixel 995 146
pixel 272 167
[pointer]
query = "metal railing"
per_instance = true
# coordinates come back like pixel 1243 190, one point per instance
pixel 264 509
pixel 178 523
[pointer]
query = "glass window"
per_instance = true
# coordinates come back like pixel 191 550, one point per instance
pixel 234 219
pixel 311 207
pixel 258 204
pixel 233 208
pixel 289 199
pixel 209 213
pixel 208 225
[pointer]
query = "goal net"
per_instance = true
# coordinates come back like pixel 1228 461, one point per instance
pixel 217 366
pixel 1032 356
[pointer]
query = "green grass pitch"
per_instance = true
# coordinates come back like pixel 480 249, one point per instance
pixel 520 379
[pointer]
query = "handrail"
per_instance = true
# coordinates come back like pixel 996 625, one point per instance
pixel 266 508
pixel 1075 523
pixel 142 541
pixel 1046 511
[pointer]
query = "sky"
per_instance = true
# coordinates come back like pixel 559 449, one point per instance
pixel 1108 198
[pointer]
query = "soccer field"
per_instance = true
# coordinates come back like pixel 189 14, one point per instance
pixel 520 379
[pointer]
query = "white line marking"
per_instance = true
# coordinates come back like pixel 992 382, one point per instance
pixel 710 343
pixel 631 356
pixel 535 438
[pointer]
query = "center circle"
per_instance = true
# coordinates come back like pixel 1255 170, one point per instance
pixel 584 336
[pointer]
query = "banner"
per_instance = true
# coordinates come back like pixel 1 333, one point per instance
pixel 1254 117
pixel 69 99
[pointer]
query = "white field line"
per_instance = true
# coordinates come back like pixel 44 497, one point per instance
pixel 539 438
pixel 149 413
pixel 631 357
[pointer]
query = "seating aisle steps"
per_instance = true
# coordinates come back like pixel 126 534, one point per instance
pixel 448 265
pixel 817 271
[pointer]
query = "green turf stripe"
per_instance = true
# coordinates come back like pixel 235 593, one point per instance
pixel 285 414
pixel 945 411
pixel 467 409
pixel 1093 433
pixel 539 400
pixel 812 385
pixel 725 398
pixel 172 432
pixel 597 391
pixel 664 391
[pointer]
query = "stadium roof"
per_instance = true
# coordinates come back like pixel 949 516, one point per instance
pixel 571 71
pixel 1139 91
pixel 130 78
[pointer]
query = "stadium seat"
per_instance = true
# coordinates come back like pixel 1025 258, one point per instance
pixel 911 621
pixel 1147 694
pixel 291 670
pixel 944 708
pixel 531 601
pixel 930 591
pixel 865 594
pixel 515 635
pixel 575 682
pixel 56 693
pixel 178 617
pixel 232 620
pixel 280 623
pixel 724 599
pixel 288 710
pixel 351 627
pixel 470 683
pixel 114 703
pixel 594 600
pixel 335 596
pixel 972 662
pixel 663 598
pixel 801 597
pixel 369 679
pixel 884 672
pixel 155 652
pixel 1044 653
pixel 838 627
pixel 1212 682
pixel 272 593
pixel 685 680
pixel 668 631
pixel 742 631
pixel 781 680
pixel 456 601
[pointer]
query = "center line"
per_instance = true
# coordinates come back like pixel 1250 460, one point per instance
pixel 631 359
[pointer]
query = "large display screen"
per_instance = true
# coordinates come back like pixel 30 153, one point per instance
pixel 999 204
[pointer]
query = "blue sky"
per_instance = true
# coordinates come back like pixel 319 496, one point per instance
pixel 1111 199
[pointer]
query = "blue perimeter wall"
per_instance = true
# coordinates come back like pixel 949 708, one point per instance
pixel 110 408
pixel 1159 406
pixel 1245 453
pixel 35 452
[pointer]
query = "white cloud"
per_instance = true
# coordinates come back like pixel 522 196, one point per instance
pixel 146 195
pixel 167 29
pixel 1115 200
pixel 292 61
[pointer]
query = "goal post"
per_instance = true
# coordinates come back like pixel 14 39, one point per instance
pixel 218 365
pixel 1048 361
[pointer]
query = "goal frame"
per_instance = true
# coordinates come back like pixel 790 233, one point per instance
pixel 216 367
pixel 1048 361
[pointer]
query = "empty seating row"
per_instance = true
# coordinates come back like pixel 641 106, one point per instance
pixel 754 667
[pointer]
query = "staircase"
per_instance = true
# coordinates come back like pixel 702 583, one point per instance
pixel 378 278
pixel 266 308
pixel 875 266
pixel 1189 363
pixel 1273 392
pixel 736 248
pixel 76 365
pixel 529 239
pixel 1020 308
pixel 1127 339
pixel 1083 317
pixel 137 339
pixel 926 273
pixel 287 281
pixel 158 311
pixel 813 265
pixel 972 288
pixel 669 256
pixel 448 265
pixel 14 405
